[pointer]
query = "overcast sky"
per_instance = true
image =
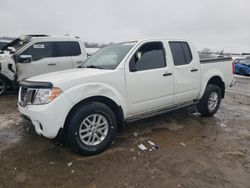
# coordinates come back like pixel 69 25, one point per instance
pixel 215 24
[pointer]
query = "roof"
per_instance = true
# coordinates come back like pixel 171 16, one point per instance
pixel 154 39
pixel 32 37
pixel 5 40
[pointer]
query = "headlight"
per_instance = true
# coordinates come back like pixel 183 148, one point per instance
pixel 45 96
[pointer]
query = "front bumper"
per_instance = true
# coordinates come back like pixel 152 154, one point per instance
pixel 48 119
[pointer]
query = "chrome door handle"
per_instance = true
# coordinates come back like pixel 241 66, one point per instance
pixel 194 70
pixel 51 64
pixel 167 74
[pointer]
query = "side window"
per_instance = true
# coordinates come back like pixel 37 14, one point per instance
pixel 181 53
pixel 148 56
pixel 39 50
pixel 68 48
pixel 187 52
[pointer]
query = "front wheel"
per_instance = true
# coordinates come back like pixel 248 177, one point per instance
pixel 210 102
pixel 92 128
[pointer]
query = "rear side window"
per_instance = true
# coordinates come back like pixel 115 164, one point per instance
pixel 181 53
pixel 39 50
pixel 148 56
pixel 67 48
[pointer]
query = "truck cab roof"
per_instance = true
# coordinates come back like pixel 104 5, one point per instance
pixel 155 39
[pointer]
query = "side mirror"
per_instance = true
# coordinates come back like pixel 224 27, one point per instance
pixel 25 58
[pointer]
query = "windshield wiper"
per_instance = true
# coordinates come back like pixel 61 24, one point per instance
pixel 92 66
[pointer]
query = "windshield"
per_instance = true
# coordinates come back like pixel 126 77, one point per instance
pixel 108 57
pixel 244 61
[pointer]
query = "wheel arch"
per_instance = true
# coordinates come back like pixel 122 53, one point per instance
pixel 215 80
pixel 117 109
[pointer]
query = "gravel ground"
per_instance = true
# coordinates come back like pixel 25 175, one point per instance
pixel 192 151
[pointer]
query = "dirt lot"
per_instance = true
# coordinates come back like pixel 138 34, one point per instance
pixel 193 151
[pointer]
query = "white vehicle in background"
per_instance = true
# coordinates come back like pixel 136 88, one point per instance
pixel 32 55
pixel 121 83
pixel 4 42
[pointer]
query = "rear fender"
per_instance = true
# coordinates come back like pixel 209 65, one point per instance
pixel 208 76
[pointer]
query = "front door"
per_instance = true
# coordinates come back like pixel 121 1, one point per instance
pixel 42 60
pixel 149 79
pixel 68 54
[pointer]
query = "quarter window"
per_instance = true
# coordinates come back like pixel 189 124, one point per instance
pixel 149 56
pixel 181 53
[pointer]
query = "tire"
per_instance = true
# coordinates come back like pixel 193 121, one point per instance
pixel 3 86
pixel 208 104
pixel 81 121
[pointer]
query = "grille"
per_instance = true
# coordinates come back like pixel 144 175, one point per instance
pixel 26 96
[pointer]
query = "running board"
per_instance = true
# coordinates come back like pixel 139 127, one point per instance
pixel 160 111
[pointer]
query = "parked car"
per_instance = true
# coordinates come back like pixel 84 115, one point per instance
pixel 242 66
pixel 4 42
pixel 122 83
pixel 32 55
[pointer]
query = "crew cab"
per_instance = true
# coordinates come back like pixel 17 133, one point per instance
pixel 122 83
pixel 31 55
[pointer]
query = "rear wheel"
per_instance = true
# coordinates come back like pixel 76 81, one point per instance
pixel 210 102
pixel 92 129
pixel 3 86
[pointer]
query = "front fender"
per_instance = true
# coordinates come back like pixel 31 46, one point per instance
pixel 83 91
pixel 8 62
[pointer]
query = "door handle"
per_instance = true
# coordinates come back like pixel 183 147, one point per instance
pixel 167 74
pixel 79 62
pixel 51 64
pixel 194 70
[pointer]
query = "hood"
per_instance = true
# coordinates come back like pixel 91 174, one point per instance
pixel 67 75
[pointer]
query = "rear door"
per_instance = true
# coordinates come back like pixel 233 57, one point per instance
pixel 64 52
pixel 79 54
pixel 187 73
pixel 149 79
pixel 43 61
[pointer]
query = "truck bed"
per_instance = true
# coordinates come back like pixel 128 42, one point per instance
pixel 219 66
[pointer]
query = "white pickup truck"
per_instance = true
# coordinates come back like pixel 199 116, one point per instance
pixel 31 55
pixel 122 83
